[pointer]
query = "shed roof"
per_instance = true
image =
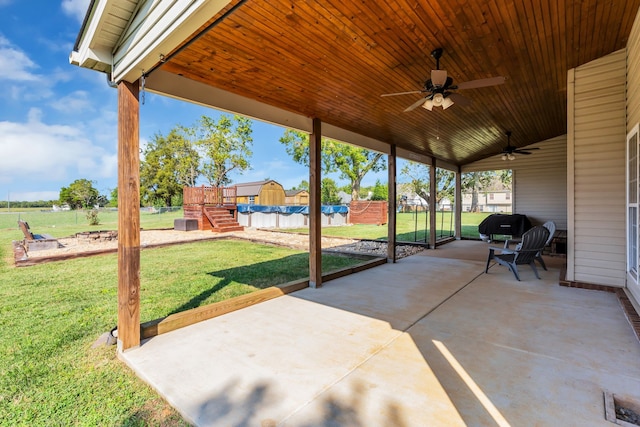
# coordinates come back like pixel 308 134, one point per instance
pixel 252 188
pixel 290 193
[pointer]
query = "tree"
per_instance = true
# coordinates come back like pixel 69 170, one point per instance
pixel 329 192
pixel 380 191
pixel 474 182
pixel 225 146
pixel 170 163
pixel 304 185
pixel 79 194
pixel 419 180
pixel 113 201
pixel 353 163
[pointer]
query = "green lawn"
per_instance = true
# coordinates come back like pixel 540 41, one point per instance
pixel 410 227
pixel 65 223
pixel 50 315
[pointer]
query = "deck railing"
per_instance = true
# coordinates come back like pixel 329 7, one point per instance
pixel 209 195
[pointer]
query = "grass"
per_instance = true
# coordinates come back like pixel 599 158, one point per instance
pixel 51 314
pixel 65 223
pixel 410 227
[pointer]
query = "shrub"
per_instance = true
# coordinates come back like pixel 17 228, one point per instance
pixel 92 217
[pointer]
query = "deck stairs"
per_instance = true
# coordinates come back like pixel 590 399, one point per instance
pixel 221 219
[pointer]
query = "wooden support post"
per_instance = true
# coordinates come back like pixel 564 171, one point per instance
pixel 432 204
pixel 458 205
pixel 128 216
pixel 315 220
pixel 391 225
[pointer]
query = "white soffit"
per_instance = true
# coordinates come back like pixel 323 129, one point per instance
pixel 157 29
pixel 151 29
pixel 94 51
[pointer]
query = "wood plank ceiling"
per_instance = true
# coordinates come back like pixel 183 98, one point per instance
pixel 333 59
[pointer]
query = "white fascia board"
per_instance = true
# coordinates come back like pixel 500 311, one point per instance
pixel 90 54
pixel 158 28
pixel 182 88
pixel 94 59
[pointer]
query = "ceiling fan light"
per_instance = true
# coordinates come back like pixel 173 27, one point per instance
pixel 504 157
pixel 438 99
pixel 446 103
pixel 428 104
pixel 511 157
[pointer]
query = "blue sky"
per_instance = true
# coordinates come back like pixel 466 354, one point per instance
pixel 58 122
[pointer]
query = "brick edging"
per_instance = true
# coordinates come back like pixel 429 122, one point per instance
pixel 629 312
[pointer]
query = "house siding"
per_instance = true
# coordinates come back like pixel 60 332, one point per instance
pixel 633 100
pixel 596 189
pixel 539 181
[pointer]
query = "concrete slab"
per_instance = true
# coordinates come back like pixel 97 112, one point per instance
pixel 426 341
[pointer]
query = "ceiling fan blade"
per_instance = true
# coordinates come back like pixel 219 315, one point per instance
pixel 438 77
pixel 521 152
pixel 402 93
pixel 460 100
pixel 416 104
pixel 473 84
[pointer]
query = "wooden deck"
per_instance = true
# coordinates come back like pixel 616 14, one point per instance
pixel 214 208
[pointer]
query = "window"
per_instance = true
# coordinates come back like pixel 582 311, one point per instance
pixel 252 200
pixel 632 202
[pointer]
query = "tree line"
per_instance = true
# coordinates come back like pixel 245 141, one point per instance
pixel 211 150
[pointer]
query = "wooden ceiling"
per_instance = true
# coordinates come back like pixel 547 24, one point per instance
pixel 333 59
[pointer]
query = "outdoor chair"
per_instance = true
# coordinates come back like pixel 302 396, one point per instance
pixel 549 225
pixel 533 242
pixel 37 242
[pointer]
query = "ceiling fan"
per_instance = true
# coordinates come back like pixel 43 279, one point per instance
pixel 440 86
pixel 508 152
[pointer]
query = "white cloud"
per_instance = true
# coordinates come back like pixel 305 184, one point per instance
pixel 55 45
pixel 15 65
pixel 75 102
pixel 75 8
pixel 36 150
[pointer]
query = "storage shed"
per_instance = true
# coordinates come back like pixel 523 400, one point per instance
pixel 296 197
pixel 260 193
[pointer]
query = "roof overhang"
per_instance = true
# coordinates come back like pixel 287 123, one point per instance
pixel 126 38
pixel 287 63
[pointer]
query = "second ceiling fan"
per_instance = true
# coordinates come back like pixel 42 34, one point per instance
pixel 439 88
pixel 509 152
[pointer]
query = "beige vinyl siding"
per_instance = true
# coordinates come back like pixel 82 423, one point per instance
pixel 633 75
pixel 633 104
pixel 539 180
pixel 597 243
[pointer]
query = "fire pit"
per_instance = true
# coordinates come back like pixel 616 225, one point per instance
pixel 97 236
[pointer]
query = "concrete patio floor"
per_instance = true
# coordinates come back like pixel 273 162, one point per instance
pixel 428 341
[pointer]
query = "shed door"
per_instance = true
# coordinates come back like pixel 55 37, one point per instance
pixel 632 212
